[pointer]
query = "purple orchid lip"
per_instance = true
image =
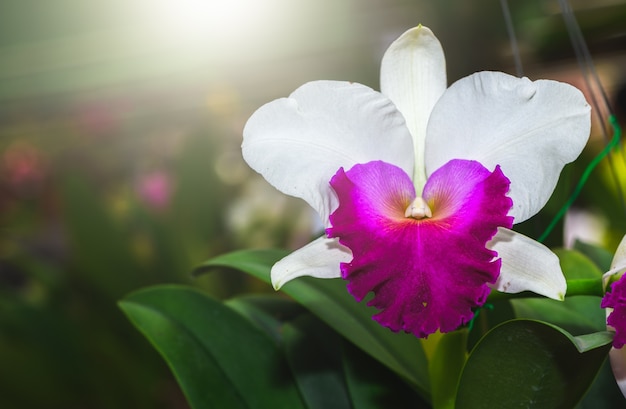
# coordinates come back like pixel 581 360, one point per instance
pixel 426 273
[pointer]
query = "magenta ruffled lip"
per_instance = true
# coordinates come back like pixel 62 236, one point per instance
pixel 428 274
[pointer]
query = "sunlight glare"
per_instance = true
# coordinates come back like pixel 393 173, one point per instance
pixel 193 21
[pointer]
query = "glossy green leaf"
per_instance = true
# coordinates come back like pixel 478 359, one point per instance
pixel 329 371
pixel 333 373
pixel 331 302
pixel 492 313
pixel 531 364
pixel 374 386
pixel 267 312
pixel 446 366
pixel 254 262
pixel 220 359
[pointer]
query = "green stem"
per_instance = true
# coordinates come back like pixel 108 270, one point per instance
pixel 588 286
pixel 585 286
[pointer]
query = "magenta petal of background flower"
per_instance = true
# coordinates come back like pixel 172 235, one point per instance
pixel 426 274
pixel 616 299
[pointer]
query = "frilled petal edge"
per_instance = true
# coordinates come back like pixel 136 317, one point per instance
pixel 614 299
pixel 426 274
pixel 320 258
pixel 527 265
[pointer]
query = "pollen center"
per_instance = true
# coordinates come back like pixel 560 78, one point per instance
pixel 418 209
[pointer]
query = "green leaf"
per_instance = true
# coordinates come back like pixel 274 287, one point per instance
pixel 492 313
pixel 220 359
pixel 267 312
pixel 374 386
pixel 446 366
pixel 576 265
pixel 601 257
pixel 254 262
pixel 331 302
pixel 332 373
pixel 604 392
pixel 577 315
pixel 523 363
pixel 314 356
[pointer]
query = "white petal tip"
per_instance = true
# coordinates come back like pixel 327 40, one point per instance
pixel 281 275
pixel 319 259
pixel 276 285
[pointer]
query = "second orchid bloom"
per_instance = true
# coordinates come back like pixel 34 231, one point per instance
pixel 418 185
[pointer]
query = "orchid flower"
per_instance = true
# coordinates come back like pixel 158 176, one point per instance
pixel 615 304
pixel 419 185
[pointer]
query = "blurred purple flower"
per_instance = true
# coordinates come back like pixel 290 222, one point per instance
pixel 155 189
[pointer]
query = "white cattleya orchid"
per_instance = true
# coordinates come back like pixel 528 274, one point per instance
pixel 615 303
pixel 418 185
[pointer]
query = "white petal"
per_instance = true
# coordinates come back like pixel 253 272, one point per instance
pixel 527 265
pixel 320 258
pixel 299 143
pixel 531 129
pixel 413 75
pixel 618 365
pixel 619 259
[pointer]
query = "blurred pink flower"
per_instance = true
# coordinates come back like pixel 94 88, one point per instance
pixel 155 189
pixel 22 166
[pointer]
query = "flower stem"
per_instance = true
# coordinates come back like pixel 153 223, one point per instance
pixel 584 286
pixel 587 286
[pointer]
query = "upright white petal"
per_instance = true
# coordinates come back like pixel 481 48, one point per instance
pixel 530 129
pixel 527 265
pixel 413 75
pixel 299 143
pixel 320 258
pixel 619 259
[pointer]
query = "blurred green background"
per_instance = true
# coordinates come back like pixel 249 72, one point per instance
pixel 120 127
